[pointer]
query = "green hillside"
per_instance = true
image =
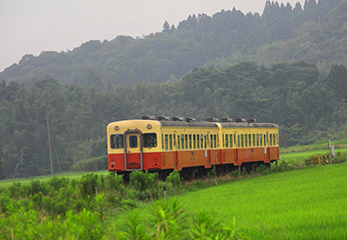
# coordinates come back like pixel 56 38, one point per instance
pixel 315 32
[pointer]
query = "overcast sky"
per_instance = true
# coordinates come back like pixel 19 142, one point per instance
pixel 33 26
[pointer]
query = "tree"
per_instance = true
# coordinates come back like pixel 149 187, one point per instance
pixel 337 79
pixel 166 27
pixel 27 166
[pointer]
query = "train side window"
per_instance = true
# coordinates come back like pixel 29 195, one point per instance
pixel 178 142
pixel 197 141
pixel 117 141
pixel 194 141
pixel 242 140
pixel 254 140
pixel 238 141
pixel 266 138
pixel 174 140
pixel 166 140
pixel 201 141
pixel 189 141
pixel 226 141
pixel 215 141
pixel 182 141
pixel 186 141
pixel 170 142
pixel 230 141
pixel 260 140
pixel 162 141
pixel 149 140
pixel 271 139
pixel 205 141
pixel 249 140
pixel 234 144
pixel 277 141
pixel 246 140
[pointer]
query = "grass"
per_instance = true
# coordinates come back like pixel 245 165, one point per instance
pixel 302 204
pixel 26 181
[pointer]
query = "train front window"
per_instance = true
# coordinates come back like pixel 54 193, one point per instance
pixel 117 141
pixel 133 141
pixel 149 140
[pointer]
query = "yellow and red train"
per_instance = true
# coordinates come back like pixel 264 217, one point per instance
pixel 165 144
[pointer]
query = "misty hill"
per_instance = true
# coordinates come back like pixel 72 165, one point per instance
pixel 315 32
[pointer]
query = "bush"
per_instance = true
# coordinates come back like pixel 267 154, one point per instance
pixel 175 179
pixel 93 164
pixel 89 184
pixel 146 184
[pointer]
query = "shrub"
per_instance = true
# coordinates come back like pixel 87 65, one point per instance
pixel 175 179
pixel 145 184
pixel 89 184
pixel 89 165
pixel 58 183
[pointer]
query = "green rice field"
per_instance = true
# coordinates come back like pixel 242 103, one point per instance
pixel 301 204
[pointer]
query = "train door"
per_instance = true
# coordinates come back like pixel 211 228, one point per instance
pixel 133 159
pixel 207 148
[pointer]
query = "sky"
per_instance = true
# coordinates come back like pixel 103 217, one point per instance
pixel 33 26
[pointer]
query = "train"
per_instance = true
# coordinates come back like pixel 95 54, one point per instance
pixel 165 144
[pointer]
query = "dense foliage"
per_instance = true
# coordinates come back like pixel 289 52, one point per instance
pixel 315 32
pixel 85 209
pixel 306 105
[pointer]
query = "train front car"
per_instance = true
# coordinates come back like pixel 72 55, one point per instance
pixel 132 145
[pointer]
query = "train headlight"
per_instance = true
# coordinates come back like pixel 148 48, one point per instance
pixel 149 126
pixel 116 127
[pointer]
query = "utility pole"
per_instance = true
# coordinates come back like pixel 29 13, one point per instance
pixel 49 147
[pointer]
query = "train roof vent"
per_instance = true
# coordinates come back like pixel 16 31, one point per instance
pixel 240 120
pixel 147 117
pixel 212 119
pixel 251 120
pixel 163 118
pixel 179 119
pixel 190 119
pixel 225 120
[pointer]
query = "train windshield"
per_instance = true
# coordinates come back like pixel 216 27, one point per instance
pixel 149 140
pixel 117 141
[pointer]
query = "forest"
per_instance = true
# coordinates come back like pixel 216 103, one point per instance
pixel 306 105
pixel 286 67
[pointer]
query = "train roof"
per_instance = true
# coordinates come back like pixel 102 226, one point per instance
pixel 215 125
pixel 188 124
pixel 249 125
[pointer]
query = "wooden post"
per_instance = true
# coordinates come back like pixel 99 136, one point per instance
pixel 49 147
pixel 164 188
